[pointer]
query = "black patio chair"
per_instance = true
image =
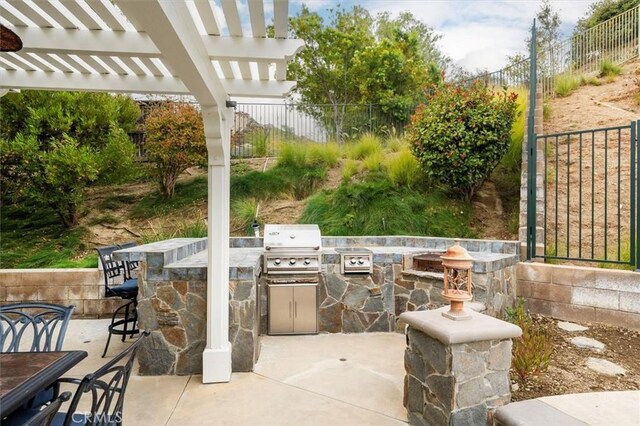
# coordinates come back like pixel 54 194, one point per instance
pixel 45 416
pixel 131 265
pixel 105 389
pixel 127 290
pixel 45 324
pixel 34 327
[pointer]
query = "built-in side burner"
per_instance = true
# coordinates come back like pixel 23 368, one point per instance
pixel 355 260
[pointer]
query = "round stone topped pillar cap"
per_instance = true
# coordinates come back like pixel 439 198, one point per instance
pixel 480 328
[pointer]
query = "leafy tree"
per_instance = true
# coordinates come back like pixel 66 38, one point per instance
pixel 356 58
pixel 324 69
pixel 602 11
pixel 174 141
pixel 460 134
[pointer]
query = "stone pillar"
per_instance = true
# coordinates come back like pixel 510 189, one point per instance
pixel 457 372
pixel 540 189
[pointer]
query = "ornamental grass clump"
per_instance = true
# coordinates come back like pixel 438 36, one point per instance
pixel 532 351
pixel 461 133
pixel 367 145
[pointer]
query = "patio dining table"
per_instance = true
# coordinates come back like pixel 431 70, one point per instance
pixel 24 374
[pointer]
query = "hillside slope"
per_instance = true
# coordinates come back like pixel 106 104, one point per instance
pixel 588 175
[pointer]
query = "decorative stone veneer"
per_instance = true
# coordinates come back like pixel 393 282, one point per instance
pixel 172 304
pixel 172 299
pixel 356 303
pixel 457 372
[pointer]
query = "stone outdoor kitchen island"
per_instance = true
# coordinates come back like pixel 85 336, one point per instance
pixel 173 293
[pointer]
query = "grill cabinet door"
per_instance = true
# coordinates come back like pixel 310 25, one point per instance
pixel 305 309
pixel 280 309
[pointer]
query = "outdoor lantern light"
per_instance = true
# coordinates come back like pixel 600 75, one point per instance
pixel 457 280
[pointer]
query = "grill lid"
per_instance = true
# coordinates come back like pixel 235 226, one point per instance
pixel 288 237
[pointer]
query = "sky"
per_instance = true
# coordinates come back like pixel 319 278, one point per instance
pixel 476 34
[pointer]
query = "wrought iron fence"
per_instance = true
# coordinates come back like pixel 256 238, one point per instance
pixel 616 40
pixel 591 194
pixel 258 129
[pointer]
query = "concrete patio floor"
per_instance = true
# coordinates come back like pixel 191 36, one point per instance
pixel 328 379
pixel 338 379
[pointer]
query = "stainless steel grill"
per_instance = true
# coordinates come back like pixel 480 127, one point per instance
pixel 292 261
pixel 292 249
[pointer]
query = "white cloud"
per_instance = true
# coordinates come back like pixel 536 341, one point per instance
pixel 480 34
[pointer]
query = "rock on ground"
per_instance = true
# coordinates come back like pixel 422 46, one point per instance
pixel 588 343
pixel 605 367
pixel 569 326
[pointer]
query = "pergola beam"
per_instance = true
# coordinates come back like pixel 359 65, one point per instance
pixel 40 80
pixel 135 44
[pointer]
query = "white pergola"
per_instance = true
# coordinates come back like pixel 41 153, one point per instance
pixel 176 47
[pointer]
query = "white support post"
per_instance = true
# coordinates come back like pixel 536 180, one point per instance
pixel 216 358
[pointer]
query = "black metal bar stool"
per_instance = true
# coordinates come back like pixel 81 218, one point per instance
pixel 127 290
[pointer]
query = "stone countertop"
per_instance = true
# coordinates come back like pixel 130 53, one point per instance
pixel 483 261
pixel 186 258
pixel 244 264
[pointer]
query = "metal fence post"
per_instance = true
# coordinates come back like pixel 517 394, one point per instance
pixel 635 193
pixel 531 150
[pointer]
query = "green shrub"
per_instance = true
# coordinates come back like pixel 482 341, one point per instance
pixel 609 70
pixel 56 177
pixel 349 169
pixel 116 159
pixel 49 115
pixel 546 111
pixel 54 144
pixel 565 84
pixel 461 133
pixel 532 351
pixel 364 147
pixel 403 169
pixel 174 141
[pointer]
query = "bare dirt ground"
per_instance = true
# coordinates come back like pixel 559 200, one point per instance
pixel 568 373
pixel 581 169
pixel 489 218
